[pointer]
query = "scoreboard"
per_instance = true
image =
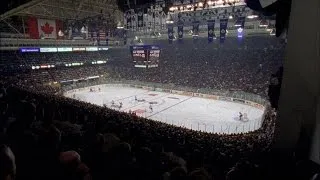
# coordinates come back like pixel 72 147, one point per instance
pixel 145 56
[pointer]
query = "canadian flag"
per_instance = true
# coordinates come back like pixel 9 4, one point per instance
pixel 47 29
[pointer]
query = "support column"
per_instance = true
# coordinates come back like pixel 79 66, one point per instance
pixel 300 89
pixel 23 27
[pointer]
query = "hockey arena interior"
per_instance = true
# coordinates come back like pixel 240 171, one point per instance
pixel 144 90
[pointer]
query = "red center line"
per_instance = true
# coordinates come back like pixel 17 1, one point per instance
pixel 165 94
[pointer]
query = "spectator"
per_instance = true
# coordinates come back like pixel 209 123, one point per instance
pixel 7 163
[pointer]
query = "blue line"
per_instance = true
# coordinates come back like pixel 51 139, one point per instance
pixel 169 107
pixel 158 97
pixel 131 96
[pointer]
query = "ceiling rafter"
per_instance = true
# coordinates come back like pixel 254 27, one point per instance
pixel 16 10
pixel 66 9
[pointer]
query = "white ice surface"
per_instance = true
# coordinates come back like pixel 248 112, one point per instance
pixel 190 112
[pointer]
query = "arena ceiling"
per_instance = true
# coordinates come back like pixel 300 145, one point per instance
pixel 66 9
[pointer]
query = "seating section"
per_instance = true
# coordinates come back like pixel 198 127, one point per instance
pixel 53 137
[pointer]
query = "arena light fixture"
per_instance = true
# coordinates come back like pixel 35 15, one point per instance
pixel 252 15
pixel 83 30
pixel 269 27
pixel 230 17
pixel 60 33
pixel 237 24
pixel 169 19
pixel 273 32
pixel 119 25
pixel 263 23
pixel 172 8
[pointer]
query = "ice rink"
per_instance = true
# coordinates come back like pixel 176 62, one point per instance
pixel 186 111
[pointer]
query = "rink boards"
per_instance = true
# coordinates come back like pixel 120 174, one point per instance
pixel 195 111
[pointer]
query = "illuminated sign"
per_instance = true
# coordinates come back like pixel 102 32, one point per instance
pixel 78 49
pixel 103 49
pixel 23 50
pixel 64 49
pixel 91 48
pixel 48 49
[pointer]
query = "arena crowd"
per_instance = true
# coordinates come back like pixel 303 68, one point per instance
pixel 48 136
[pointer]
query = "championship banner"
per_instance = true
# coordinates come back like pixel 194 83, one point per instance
pixel 107 38
pixel 240 25
pixel 163 20
pixel 157 21
pixel 124 37
pixel 133 21
pixel 170 33
pixel 101 36
pixel 211 34
pixel 195 30
pixel 180 31
pixel 223 29
pixel 150 19
pixel 140 20
pixel 128 17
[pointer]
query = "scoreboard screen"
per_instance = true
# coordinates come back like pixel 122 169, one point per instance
pixel 145 56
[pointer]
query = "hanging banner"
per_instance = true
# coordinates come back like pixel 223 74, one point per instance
pixel 240 30
pixel 195 30
pixel 33 29
pixel 180 31
pixel 140 19
pixel 170 33
pixel 133 20
pixel 223 29
pixel 128 17
pixel 124 37
pixel 211 34
pixel 107 37
pixel 150 19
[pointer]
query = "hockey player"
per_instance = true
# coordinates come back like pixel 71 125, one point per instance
pixel 99 89
pixel 112 103
pixel 240 116
pixel 74 96
pixel 151 108
pixel 135 98
pixel 120 105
